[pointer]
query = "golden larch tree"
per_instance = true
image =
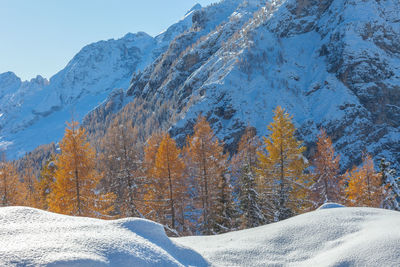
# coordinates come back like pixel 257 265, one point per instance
pixel 169 179
pixel 10 186
pixel 326 174
pixel 283 184
pixel 153 204
pixel 364 185
pixel 73 192
pixel 206 163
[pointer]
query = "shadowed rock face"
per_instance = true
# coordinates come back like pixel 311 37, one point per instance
pixel 332 64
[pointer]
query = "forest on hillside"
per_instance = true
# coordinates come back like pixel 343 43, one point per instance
pixel 198 188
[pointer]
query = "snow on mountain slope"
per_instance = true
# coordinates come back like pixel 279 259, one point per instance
pixel 31 237
pixel 331 64
pixel 99 68
pixel 326 237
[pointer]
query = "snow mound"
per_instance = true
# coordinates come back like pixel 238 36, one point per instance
pixel 31 237
pixel 325 237
pixel 330 206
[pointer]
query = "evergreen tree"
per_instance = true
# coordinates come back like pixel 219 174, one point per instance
pixel 73 192
pixel 244 164
pixel 391 186
pixel 45 182
pixel 224 215
pixel 364 185
pixel 206 163
pixel 283 183
pixel 29 195
pixel 327 179
pixel 123 167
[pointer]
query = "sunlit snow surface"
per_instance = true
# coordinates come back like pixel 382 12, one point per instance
pixel 326 237
pixel 31 237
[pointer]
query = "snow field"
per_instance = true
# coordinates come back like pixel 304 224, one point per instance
pixel 31 237
pixel 326 237
pixel 330 236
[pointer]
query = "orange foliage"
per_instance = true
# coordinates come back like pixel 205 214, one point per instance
pixel 207 163
pixel 283 183
pixel 10 186
pixel 169 177
pixel 327 186
pixel 73 192
pixel 364 187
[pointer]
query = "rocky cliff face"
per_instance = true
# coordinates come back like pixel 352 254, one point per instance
pixel 331 64
pixel 26 108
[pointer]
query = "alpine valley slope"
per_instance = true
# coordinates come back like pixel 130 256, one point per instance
pixel 331 64
pixel 326 237
pixel 28 107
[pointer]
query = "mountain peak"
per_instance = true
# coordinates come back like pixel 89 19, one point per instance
pixel 194 8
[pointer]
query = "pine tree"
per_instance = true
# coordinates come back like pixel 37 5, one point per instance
pixel 44 184
pixel 30 198
pixel 123 167
pixel 327 179
pixel 10 186
pixel 391 186
pixel 74 191
pixel 364 185
pixel 206 163
pixel 284 185
pixel 244 164
pixel 224 214
pixel 169 182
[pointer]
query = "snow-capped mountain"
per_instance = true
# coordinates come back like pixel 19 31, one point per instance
pixel 26 108
pixel 331 64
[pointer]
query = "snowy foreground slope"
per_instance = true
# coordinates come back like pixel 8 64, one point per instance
pixel 31 237
pixel 326 237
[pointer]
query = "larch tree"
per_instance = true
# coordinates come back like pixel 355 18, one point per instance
pixel 244 165
pixel 123 167
pixel 282 180
pixel 206 163
pixel 10 186
pixel 169 181
pixel 364 185
pixel 153 204
pixel 74 189
pixel 327 179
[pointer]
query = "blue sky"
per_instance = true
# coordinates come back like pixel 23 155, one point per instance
pixel 41 36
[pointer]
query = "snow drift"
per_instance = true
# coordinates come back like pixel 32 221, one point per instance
pixel 330 236
pixel 327 237
pixel 31 237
